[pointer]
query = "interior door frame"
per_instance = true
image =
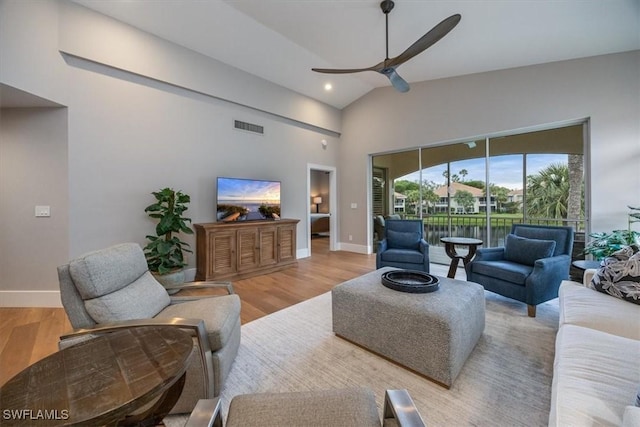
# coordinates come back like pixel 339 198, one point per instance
pixel 333 202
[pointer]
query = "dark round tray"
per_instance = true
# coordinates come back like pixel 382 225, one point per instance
pixel 414 282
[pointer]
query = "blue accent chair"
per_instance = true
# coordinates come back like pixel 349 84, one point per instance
pixel 529 267
pixel 403 246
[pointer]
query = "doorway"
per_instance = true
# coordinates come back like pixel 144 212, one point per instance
pixel 322 202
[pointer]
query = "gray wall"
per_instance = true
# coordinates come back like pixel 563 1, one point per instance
pixel 138 121
pixel 605 90
pixel 33 171
pixel 131 133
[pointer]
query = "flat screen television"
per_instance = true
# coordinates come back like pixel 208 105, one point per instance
pixel 240 199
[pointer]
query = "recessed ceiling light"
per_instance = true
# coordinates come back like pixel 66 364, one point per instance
pixel 328 86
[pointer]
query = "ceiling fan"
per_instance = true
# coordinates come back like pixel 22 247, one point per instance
pixel 389 65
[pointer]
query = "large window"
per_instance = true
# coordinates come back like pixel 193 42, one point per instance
pixel 480 188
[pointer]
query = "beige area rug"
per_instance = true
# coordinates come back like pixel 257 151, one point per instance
pixel 506 381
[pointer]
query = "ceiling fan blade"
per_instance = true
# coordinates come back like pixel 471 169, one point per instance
pixel 429 39
pixel 396 81
pixel 343 71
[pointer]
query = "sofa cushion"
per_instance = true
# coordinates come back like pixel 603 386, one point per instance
pixel 619 275
pixel 631 417
pixel 583 306
pixel 526 251
pixel 402 255
pixel 220 314
pixel 595 376
pixel 561 235
pixel 115 284
pixel 94 274
pixel 340 407
pixel 403 239
pixel 142 299
pixel 504 270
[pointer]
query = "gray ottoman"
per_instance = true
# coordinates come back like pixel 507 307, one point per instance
pixel 431 334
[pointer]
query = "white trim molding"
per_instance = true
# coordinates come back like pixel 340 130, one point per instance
pixel 350 247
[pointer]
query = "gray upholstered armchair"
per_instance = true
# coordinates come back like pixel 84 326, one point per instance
pixel 112 288
pixel 403 246
pixel 322 408
pixel 529 267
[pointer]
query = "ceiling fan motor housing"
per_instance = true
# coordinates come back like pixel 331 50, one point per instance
pixel 387 6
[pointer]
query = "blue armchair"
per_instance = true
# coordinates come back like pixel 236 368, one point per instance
pixel 530 266
pixel 403 246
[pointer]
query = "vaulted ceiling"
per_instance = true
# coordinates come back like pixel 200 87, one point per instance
pixel 281 40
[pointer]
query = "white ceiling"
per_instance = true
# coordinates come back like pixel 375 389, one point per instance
pixel 281 40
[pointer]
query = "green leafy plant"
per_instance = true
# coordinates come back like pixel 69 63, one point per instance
pixel 164 252
pixel 634 216
pixel 603 245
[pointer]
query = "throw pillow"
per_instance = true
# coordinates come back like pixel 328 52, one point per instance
pixel 526 251
pixel 403 240
pixel 619 275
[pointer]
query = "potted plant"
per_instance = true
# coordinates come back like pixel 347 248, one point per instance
pixel 165 251
pixel 603 245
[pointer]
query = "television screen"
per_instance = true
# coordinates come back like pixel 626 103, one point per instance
pixel 247 199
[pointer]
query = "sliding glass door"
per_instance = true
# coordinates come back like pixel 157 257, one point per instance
pixel 480 188
pixel 535 177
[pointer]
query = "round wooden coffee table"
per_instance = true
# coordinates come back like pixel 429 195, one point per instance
pixel 450 244
pixel 102 381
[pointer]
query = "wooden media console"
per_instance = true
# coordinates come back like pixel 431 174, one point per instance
pixel 244 249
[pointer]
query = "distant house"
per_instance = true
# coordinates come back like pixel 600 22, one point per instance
pixel 515 196
pixel 479 203
pixel 399 201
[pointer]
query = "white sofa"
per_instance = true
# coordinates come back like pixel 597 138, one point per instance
pixel 596 371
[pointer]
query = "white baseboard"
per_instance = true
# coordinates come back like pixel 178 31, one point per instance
pixel 350 247
pixel 30 299
pixel 302 253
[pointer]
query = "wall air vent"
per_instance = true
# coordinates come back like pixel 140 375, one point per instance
pixel 248 127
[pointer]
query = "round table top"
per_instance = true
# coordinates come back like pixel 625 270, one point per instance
pixel 585 264
pixel 98 381
pixel 461 240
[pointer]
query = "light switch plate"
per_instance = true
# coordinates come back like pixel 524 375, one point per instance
pixel 43 211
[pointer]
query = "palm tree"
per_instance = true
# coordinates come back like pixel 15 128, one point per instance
pixel 548 192
pixel 574 202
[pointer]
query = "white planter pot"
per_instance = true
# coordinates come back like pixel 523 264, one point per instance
pixel 174 278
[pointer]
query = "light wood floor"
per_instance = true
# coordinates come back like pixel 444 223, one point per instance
pixel 29 334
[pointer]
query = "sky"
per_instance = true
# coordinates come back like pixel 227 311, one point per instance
pixel 231 189
pixel 505 171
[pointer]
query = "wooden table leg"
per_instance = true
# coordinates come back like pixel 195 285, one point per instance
pixel 450 249
pixel 453 267
pixel 154 415
pixel 470 254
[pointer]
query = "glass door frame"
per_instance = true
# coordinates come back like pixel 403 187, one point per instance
pixel 585 123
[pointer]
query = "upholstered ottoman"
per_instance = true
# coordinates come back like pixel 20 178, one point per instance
pixel 431 334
